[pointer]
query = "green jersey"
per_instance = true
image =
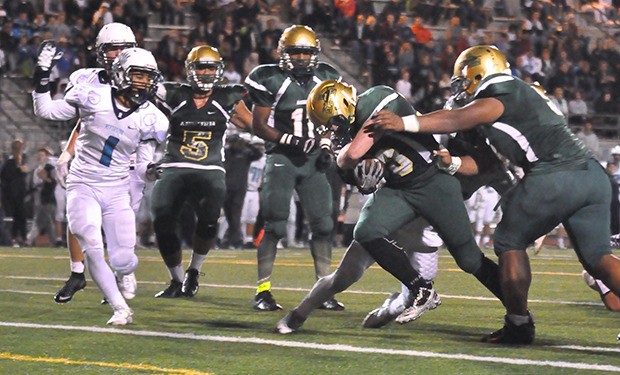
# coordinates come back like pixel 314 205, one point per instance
pixel 270 86
pixel 407 156
pixel 531 133
pixel 196 135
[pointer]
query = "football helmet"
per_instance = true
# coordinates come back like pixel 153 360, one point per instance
pixel 204 58
pixel 113 36
pixel 331 106
pixel 295 40
pixel 129 63
pixel 473 65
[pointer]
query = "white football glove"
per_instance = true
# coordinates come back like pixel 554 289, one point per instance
pixel 368 174
pixel 48 55
pixel 307 145
pixel 62 167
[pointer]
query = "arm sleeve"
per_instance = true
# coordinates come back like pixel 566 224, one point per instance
pixel 57 110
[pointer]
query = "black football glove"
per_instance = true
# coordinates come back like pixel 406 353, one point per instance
pixel 306 145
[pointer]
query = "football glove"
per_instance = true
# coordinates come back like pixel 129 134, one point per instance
pixel 153 172
pixel 48 56
pixel 306 145
pixel 62 167
pixel 324 160
pixel 368 174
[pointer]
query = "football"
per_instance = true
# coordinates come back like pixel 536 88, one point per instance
pixel 368 174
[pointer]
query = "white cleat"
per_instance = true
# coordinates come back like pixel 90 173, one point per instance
pixel 589 280
pixel 426 300
pixel 290 323
pixel 127 285
pixel 121 317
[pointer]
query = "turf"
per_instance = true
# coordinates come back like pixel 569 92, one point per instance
pixel 218 332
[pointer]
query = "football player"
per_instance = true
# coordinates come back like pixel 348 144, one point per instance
pixel 110 41
pixel 193 166
pixel 294 159
pixel 333 104
pixel 116 121
pixel 563 182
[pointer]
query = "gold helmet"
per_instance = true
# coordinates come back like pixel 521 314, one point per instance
pixel 295 40
pixel 473 65
pixel 204 58
pixel 331 106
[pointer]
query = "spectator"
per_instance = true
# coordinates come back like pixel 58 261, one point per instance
pixel 606 104
pixel 403 86
pixel 590 139
pixel 577 107
pixel 53 7
pixel 103 15
pixel 585 80
pixel 13 184
pixel 230 74
pixel 44 203
pixel 137 11
pixel 406 56
pixel 421 32
pixel 560 102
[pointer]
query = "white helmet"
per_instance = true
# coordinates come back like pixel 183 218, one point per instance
pixel 132 60
pixel 114 35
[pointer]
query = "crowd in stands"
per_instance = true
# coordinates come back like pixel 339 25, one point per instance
pixel 408 45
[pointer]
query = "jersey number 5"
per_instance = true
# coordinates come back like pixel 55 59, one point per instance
pixel 194 145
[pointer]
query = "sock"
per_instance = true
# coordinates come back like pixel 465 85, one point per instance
pixel 393 259
pixel 321 249
pixel 266 256
pixel 77 267
pixel 519 320
pixel 177 273
pixel 488 275
pixel 197 261
pixel 262 287
pixel 603 289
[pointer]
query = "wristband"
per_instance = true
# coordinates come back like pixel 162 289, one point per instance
pixel 326 143
pixel 411 124
pixel 455 164
pixel 286 138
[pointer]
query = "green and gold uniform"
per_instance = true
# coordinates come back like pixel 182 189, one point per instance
pixel 563 182
pixel 193 163
pixel 288 168
pixel 414 186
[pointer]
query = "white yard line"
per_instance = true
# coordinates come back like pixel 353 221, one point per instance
pixel 327 347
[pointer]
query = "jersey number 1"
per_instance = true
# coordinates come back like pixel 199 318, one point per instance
pixel 108 148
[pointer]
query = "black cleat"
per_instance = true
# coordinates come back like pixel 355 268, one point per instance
pixel 190 283
pixel 332 304
pixel 264 301
pixel 172 291
pixel 511 334
pixel 104 301
pixel 74 284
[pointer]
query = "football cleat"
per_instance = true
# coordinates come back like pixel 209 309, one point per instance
pixel 127 285
pixel 614 241
pixel 190 283
pixel 426 299
pixel 511 334
pixel 172 291
pixel 121 317
pixel 290 323
pixel 589 280
pixel 332 304
pixel 381 316
pixel 74 284
pixel 264 301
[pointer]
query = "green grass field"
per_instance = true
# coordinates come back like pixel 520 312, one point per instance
pixel 218 332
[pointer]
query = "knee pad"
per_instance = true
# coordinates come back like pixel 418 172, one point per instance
pixel 123 261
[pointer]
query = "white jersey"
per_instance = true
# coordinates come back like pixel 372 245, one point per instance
pixel 109 135
pixel 255 173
